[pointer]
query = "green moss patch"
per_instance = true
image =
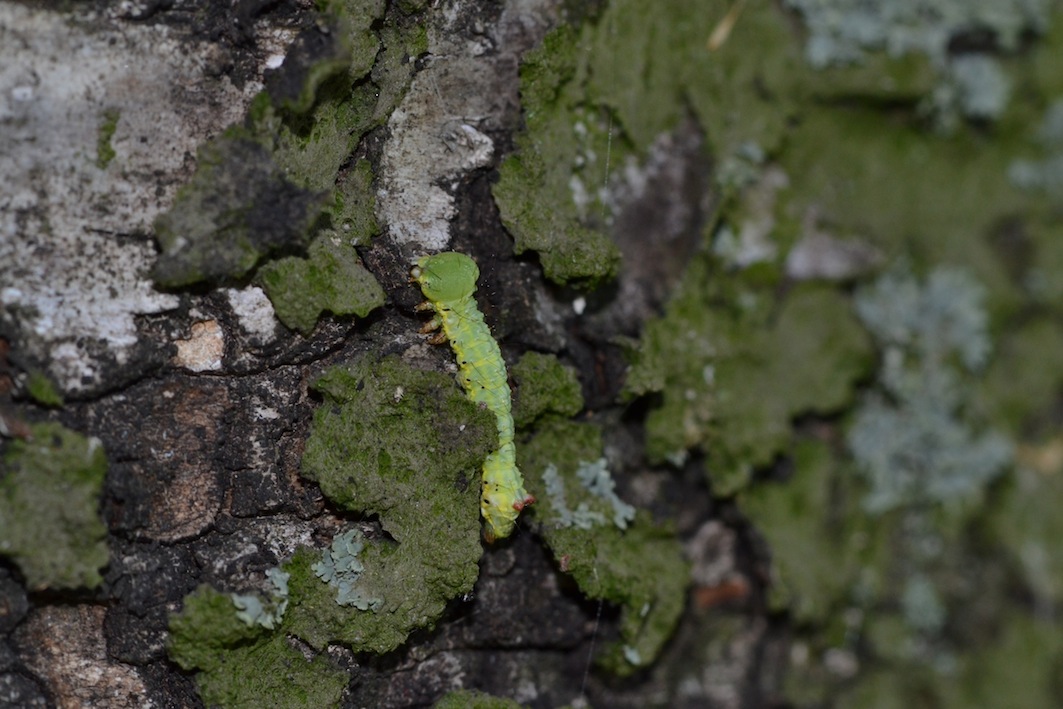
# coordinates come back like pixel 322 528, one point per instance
pixel 1027 525
pixel 732 371
pixel 49 495
pixel 242 665
pixel 543 386
pixel 42 389
pixel 820 541
pixel 331 279
pixel 404 446
pixel 1020 394
pixel 640 568
pixel 104 150
pixel 401 446
pixel 1017 667
pixel 535 192
pixel 932 197
pixel 262 189
pixel 472 699
pixel 597 97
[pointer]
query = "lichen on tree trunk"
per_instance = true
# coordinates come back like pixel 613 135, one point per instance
pixel 769 288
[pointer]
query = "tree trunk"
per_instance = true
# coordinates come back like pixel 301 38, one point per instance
pixel 758 320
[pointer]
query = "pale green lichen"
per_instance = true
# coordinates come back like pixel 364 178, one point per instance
pixel 912 441
pixel 851 538
pixel 1044 175
pixel 843 31
pixel 49 498
pixel 975 86
pixel 267 612
pixel 633 562
pixel 582 517
pixel 340 568
pixel 376 448
pixel 970 84
pixel 921 461
pixel 921 604
pixel 596 480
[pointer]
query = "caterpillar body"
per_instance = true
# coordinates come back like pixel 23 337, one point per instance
pixel 448 282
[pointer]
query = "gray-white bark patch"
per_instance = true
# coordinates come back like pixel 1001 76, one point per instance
pixel 439 133
pixel 99 123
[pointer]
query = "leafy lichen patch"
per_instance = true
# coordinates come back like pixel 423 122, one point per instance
pixel 891 520
pixel 971 84
pixel 638 566
pixel 406 446
pixel 49 495
pixel 595 478
pixel 733 373
pixel 912 441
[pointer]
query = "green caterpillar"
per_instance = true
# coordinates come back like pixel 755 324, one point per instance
pixel 448 281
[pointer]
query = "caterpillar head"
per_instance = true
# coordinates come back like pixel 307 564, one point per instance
pixel 446 277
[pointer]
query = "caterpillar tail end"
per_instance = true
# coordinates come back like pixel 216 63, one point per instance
pixel 499 523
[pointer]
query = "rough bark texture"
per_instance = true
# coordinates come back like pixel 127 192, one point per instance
pixel 769 292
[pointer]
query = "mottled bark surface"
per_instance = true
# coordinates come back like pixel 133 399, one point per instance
pixel 207 282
